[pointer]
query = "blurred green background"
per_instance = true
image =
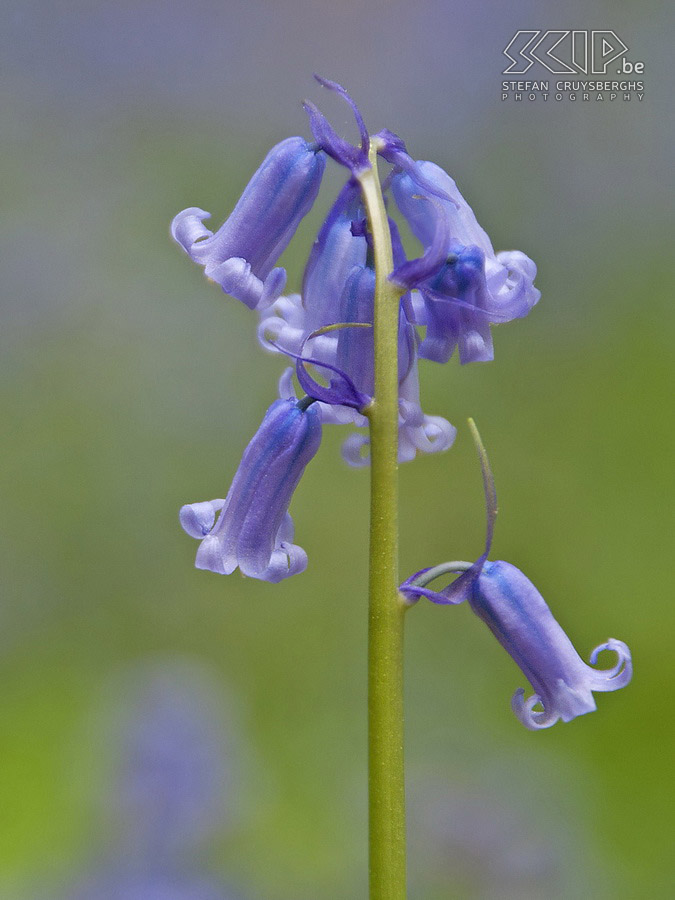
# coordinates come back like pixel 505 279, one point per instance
pixel 130 386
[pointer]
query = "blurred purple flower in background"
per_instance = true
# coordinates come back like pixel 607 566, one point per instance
pixel 167 798
pixel 170 786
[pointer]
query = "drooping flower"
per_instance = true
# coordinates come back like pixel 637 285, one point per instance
pixel 464 285
pixel 327 330
pixel 241 255
pixel 335 254
pixel 338 290
pixel 254 530
pixel 516 613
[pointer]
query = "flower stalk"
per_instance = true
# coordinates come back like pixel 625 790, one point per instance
pixel 386 787
pixel 356 322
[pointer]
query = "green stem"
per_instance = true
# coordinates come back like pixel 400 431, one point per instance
pixel 457 566
pixel 386 788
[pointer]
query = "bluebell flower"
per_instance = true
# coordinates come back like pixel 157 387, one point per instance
pixel 254 530
pixel 518 616
pixel 464 285
pixel 240 256
pixel 335 254
pixel 339 288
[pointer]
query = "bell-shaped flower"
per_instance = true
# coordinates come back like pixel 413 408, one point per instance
pixel 464 285
pixel 286 326
pixel 518 616
pixel 240 256
pixel 329 326
pixel 254 530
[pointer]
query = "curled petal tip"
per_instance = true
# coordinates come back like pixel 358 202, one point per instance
pixel 525 712
pixel 433 434
pixel 210 557
pixel 621 672
pixel 187 228
pixel 289 559
pixel 197 519
pixel 355 450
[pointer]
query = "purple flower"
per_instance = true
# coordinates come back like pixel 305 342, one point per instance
pixel 339 288
pixel 254 530
pixel 518 616
pixel 464 286
pixel 240 256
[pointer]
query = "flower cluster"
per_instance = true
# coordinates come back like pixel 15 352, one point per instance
pixel 450 296
pixel 518 616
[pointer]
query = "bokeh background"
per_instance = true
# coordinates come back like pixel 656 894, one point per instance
pixel 164 729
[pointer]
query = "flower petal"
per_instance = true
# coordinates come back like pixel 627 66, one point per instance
pixel 620 674
pixel 525 712
pixel 210 557
pixel 197 519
